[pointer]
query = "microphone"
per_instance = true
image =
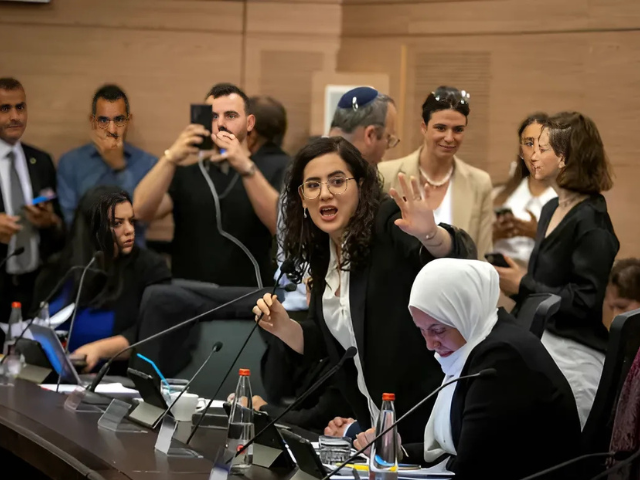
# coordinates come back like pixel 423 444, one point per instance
pixel 629 457
pixel 216 348
pixel 15 253
pixel 105 368
pixel 99 255
pixel 348 354
pixel 560 466
pixel 487 372
pixel 286 268
pixel 48 298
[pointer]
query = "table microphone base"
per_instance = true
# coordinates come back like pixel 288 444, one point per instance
pixel 269 457
pixel 82 400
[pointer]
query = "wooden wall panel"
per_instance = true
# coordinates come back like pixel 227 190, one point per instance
pixel 585 57
pixel 183 15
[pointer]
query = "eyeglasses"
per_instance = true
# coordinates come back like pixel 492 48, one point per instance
pixel 392 141
pixel 452 97
pixel 103 122
pixel 336 185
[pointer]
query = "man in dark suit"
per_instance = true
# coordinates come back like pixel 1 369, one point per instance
pixel 26 173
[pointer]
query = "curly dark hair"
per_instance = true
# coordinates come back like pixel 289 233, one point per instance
pixel 303 243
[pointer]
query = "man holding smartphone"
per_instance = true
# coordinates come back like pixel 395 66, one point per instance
pixel 246 185
pixel 25 174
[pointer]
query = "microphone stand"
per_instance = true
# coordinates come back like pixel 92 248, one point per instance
pixel 36 311
pixel 350 353
pixel 75 311
pixel 483 373
pixel 287 267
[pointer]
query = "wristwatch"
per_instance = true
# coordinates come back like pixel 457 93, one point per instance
pixel 250 172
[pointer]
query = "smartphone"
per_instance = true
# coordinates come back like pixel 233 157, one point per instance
pixel 500 211
pixel 42 199
pixel 497 259
pixel 148 387
pixel 202 114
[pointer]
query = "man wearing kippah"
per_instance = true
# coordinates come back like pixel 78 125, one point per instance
pixel 367 119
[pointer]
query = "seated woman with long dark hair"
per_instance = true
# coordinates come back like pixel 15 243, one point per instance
pixel 109 301
pixel 363 251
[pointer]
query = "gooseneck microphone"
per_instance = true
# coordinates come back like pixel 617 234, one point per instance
pixel 216 348
pixel 560 466
pixel 286 268
pixel 487 372
pixel 48 298
pixel 105 368
pixel 99 255
pixel 15 253
pixel 348 354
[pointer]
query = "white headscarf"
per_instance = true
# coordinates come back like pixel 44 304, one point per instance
pixel 462 294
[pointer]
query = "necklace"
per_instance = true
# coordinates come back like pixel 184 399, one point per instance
pixel 433 183
pixel 568 201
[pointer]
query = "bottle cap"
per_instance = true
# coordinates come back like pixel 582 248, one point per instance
pixel 16 305
pixel 388 397
pixel 245 372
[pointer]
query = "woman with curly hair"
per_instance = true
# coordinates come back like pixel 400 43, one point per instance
pixel 363 252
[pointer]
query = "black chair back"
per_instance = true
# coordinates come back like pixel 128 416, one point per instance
pixel 624 341
pixel 535 310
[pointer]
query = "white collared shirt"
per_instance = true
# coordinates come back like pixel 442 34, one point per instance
pixel 444 213
pixel 5 185
pixel 521 200
pixel 337 316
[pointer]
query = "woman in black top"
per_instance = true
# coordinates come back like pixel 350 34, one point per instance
pixel 107 319
pixel 574 251
pixel 507 426
pixel 363 253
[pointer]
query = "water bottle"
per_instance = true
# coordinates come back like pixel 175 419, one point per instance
pixel 14 319
pixel 241 428
pixel 383 461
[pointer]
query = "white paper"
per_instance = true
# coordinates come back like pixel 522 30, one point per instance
pixel 202 402
pixel 102 388
pixel 54 321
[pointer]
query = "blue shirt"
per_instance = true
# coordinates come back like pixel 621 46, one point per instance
pixel 83 168
pixel 91 324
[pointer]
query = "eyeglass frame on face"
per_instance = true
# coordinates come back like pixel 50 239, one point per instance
pixel 301 189
pixel 118 123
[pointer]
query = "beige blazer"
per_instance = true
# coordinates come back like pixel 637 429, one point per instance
pixel 470 197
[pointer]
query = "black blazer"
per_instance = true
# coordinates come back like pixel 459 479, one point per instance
pixel 514 424
pixel 392 351
pixel 574 262
pixel 42 173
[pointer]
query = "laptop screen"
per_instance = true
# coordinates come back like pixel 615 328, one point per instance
pixel 52 347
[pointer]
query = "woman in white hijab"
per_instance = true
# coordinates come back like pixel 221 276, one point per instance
pixel 523 419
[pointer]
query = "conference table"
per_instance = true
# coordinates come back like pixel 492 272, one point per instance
pixel 40 437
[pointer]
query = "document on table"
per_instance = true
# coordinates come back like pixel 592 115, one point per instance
pixel 111 388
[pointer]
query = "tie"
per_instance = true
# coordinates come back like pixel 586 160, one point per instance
pixel 23 237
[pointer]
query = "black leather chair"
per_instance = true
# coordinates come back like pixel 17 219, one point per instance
pixel 534 312
pixel 624 341
pixel 181 353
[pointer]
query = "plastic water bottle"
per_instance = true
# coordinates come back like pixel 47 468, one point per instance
pixel 14 319
pixel 383 461
pixel 241 428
